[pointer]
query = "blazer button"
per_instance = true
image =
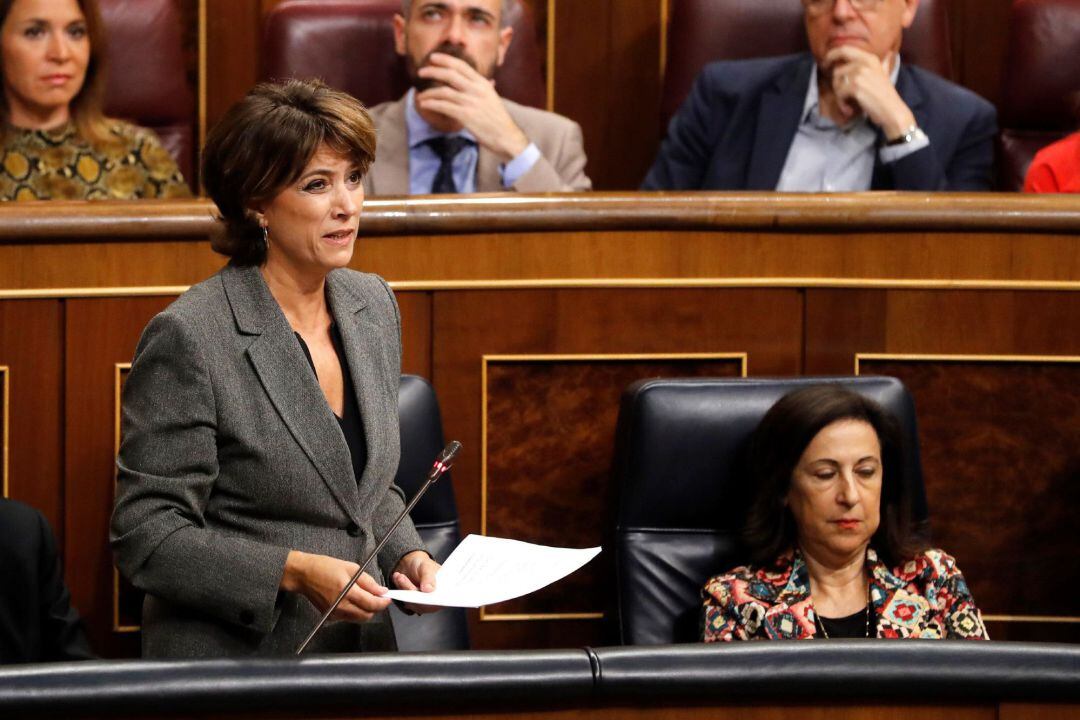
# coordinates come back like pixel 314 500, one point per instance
pixel 247 617
pixel 353 529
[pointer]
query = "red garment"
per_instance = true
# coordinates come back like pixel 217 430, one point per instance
pixel 1056 168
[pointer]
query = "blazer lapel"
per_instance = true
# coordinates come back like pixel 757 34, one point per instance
pixel 390 171
pixel 777 120
pixel 365 343
pixel 290 384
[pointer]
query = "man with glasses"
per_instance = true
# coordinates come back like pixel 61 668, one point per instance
pixel 847 116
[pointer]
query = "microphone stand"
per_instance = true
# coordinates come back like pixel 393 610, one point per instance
pixel 442 464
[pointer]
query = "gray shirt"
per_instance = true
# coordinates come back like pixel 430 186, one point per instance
pixel 825 157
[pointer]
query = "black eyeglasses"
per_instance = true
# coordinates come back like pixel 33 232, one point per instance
pixel 820 7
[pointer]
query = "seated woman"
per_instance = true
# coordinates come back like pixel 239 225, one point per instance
pixel 836 550
pixel 57 143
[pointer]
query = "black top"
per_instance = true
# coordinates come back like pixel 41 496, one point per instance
pixel 852 626
pixel 351 423
pixel 37 621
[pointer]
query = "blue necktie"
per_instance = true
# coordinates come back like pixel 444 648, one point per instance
pixel 447 148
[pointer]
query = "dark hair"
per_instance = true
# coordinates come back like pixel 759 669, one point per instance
pixel 87 107
pixel 775 448
pixel 263 143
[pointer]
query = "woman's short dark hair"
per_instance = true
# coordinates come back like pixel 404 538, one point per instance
pixel 262 145
pixel 87 107
pixel 774 451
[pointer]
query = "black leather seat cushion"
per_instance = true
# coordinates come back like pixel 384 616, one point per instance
pixel 914 670
pixel 485 682
pixel 435 516
pixel 394 682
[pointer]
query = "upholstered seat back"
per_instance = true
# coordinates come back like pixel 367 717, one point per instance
pixel 435 516
pixel 148 83
pixel 299 35
pixel 1042 78
pixel 700 31
pixel 682 497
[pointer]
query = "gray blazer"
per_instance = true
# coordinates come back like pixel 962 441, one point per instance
pixel 561 167
pixel 231 457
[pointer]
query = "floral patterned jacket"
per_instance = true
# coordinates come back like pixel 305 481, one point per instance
pixel 926 597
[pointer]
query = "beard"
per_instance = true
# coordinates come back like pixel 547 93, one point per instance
pixel 421 84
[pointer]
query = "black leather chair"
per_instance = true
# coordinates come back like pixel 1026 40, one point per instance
pixel 435 516
pixel 681 497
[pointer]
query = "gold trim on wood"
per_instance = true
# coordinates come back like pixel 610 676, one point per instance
pixel 5 419
pixel 88 292
pixel 600 283
pixel 737 282
pixel 550 79
pixel 117 370
pixel 917 357
pixel 1031 618
pixel 511 617
pixel 202 82
pixel 665 18
pixel 486 616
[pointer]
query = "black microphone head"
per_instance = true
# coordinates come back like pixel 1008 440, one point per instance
pixel 444 461
pixel 448 453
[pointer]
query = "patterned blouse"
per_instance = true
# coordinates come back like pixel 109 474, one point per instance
pixel 60 165
pixel 926 597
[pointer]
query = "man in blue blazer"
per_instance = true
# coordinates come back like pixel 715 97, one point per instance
pixel 846 116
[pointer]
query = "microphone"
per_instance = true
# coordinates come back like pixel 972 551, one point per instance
pixel 442 464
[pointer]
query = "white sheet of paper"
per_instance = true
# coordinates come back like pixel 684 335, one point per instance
pixel 486 570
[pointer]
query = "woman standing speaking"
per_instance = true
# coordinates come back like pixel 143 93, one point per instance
pixel 260 429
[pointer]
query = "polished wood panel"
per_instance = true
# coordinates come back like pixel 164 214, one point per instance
pixel 801 284
pixel 656 239
pixel 550 442
pixel 1033 711
pixel 233 42
pixel 843 322
pixel 844 213
pixel 833 710
pixel 765 323
pixel 99 333
pixel 605 81
pixel 31 346
pixel 415 333
pixel 1001 464
pixel 687 710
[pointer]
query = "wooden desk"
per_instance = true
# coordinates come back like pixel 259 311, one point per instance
pixel 530 313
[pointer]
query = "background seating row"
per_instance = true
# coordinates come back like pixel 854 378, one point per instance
pixel 150 81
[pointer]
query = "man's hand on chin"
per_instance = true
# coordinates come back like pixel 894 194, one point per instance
pixel 469 98
pixel 861 83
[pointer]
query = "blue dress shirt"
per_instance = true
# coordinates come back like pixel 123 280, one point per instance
pixel 825 157
pixel 424 162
